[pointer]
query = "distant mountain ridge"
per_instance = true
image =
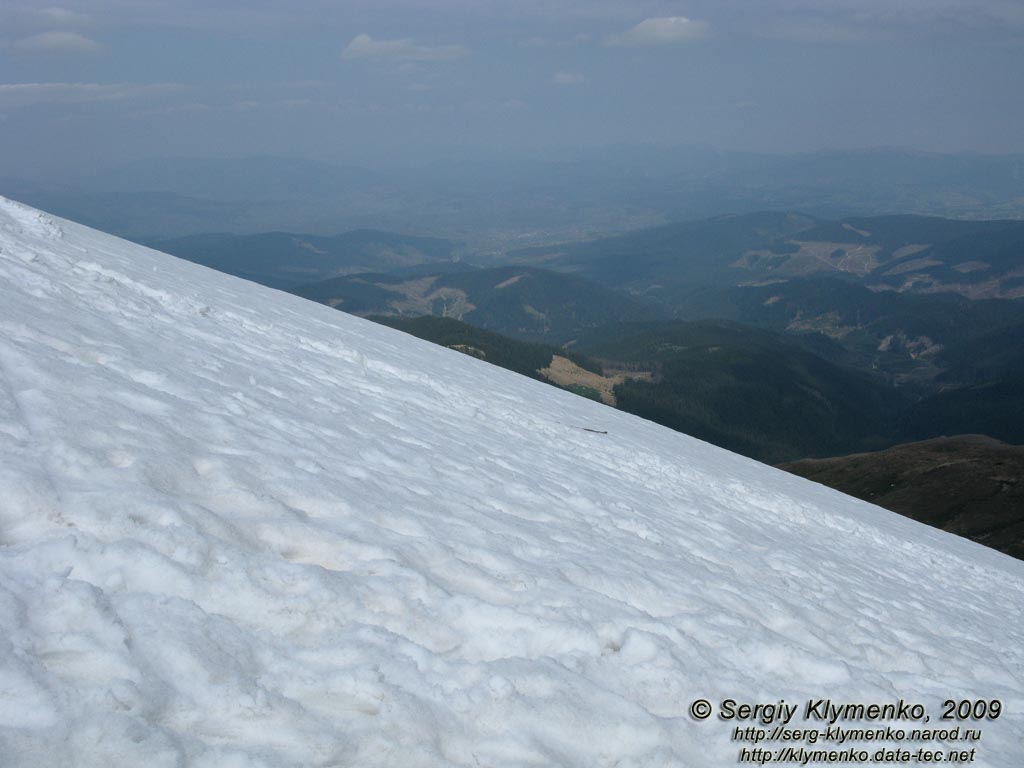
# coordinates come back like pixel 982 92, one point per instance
pixel 259 178
pixel 496 202
pixel 913 338
pixel 285 260
pixel 522 302
pixel 912 254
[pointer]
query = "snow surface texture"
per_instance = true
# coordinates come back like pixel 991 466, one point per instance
pixel 242 529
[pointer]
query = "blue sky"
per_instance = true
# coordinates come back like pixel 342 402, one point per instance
pixel 98 82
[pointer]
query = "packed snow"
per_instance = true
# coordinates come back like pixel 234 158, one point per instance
pixel 238 529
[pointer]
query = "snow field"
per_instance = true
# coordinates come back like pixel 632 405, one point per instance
pixel 242 529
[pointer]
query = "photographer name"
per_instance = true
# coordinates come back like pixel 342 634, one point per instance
pixel 821 710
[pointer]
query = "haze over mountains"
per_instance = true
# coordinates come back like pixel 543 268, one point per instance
pixel 285 260
pixel 499 202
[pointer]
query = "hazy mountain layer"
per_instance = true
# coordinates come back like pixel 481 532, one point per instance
pixel 503 202
pixel 285 260
pixel 912 254
pixel 523 302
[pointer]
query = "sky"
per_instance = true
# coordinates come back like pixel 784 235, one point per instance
pixel 95 83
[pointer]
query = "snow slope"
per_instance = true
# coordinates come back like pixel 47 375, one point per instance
pixel 242 529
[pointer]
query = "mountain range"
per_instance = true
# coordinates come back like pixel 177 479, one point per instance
pixel 523 302
pixel 287 260
pixel 906 254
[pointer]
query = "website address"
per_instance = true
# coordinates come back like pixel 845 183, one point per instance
pixel 840 734
pixel 802 756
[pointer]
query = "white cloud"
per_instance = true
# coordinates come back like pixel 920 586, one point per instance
pixel 662 31
pixel 56 42
pixel 405 50
pixel 568 78
pixel 27 94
